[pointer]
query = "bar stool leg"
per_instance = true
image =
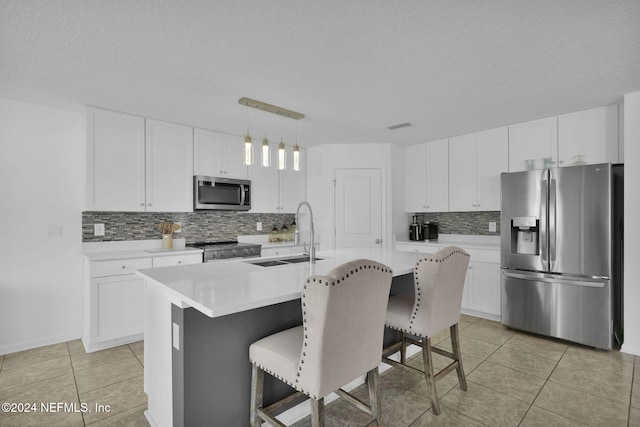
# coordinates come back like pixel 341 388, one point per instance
pixel 455 345
pixel 257 387
pixel 428 373
pixel 317 412
pixel 403 349
pixel 374 394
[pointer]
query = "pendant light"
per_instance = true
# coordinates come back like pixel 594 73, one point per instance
pixel 247 151
pixel 296 157
pixel 266 153
pixel 282 156
pixel 296 152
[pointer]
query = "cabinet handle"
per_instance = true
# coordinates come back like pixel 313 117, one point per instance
pixel 149 204
pixel 179 262
pixel 124 267
pixel 141 204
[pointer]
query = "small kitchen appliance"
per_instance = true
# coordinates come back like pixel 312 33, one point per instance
pixel 415 231
pixel 430 231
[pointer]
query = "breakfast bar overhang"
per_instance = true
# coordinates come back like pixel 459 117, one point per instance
pixel 200 320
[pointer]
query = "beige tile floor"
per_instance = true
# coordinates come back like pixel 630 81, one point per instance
pixel 62 374
pixel 514 379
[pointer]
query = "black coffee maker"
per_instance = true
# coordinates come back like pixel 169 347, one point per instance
pixel 430 231
pixel 415 231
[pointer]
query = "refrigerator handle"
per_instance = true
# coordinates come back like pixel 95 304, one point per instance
pixel 543 223
pixel 552 221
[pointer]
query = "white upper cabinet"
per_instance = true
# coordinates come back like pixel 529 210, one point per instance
pixel 415 178
pixel 115 161
pixel 273 190
pixel 463 173
pixel 217 154
pixel 169 148
pixel 533 141
pixel 292 185
pixel 492 149
pixel 426 177
pixel 475 163
pixel 589 136
pixel 138 165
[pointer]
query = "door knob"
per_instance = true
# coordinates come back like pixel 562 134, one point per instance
pixel 378 241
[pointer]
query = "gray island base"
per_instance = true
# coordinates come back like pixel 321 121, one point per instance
pixel 211 371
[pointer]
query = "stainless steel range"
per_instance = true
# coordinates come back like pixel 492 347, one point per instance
pixel 213 251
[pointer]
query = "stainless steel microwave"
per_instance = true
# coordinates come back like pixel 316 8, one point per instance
pixel 214 193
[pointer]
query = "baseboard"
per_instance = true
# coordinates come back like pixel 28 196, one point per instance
pixel 90 347
pixel 625 348
pixel 481 314
pixel 28 345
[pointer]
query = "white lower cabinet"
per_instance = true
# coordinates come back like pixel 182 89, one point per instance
pixel 482 290
pixel 114 299
pixel 174 260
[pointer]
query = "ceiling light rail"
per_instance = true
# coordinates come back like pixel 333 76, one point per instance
pixel 269 108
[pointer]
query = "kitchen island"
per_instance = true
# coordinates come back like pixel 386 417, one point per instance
pixel 201 319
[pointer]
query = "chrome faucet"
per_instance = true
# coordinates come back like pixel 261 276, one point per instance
pixel 312 248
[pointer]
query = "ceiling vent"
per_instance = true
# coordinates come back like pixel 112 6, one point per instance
pixel 398 125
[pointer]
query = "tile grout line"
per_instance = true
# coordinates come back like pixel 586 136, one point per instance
pixel 75 382
pixel 633 377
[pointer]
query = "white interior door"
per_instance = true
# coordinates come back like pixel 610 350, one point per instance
pixel 358 208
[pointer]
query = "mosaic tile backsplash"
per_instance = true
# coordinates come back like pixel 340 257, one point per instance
pixel 463 222
pixel 196 226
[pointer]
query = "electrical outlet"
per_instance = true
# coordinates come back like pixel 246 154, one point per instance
pixel 492 227
pixel 258 226
pixel 176 336
pixel 53 231
pixel 98 229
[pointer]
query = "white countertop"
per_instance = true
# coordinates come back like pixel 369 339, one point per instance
pixel 461 240
pixel 218 289
pixel 105 251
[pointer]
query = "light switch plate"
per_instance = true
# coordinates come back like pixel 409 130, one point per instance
pixel 492 227
pixel 258 226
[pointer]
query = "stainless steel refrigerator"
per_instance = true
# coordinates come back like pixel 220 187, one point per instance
pixel 561 253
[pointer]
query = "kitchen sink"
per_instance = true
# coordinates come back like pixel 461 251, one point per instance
pixel 269 263
pixel 281 261
pixel 298 259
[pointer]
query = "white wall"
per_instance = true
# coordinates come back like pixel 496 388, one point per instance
pixel 41 183
pixel 631 226
pixel 321 163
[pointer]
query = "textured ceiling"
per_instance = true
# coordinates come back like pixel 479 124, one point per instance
pixel 352 67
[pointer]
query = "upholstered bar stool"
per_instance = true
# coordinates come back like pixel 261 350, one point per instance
pixel 340 339
pixel 438 281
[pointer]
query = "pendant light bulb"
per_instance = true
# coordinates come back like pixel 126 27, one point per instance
pixel 282 156
pixel 266 154
pixel 247 152
pixel 296 157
